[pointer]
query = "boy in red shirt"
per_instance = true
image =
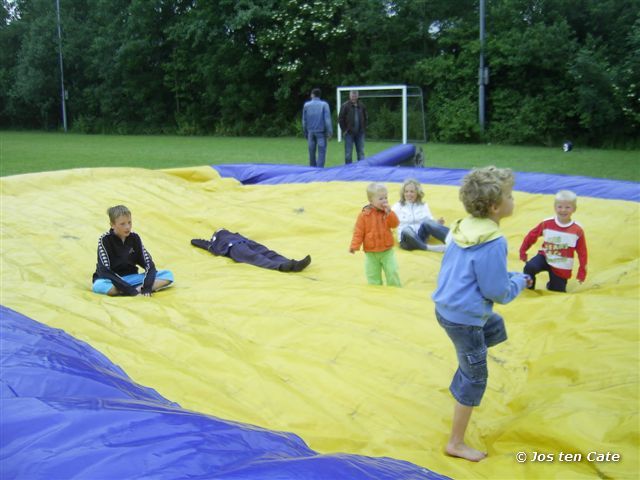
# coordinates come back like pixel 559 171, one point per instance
pixel 562 238
pixel 373 232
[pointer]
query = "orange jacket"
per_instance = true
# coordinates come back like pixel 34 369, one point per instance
pixel 373 228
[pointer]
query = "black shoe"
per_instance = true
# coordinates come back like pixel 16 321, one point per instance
pixel 287 266
pixel 300 265
pixel 197 242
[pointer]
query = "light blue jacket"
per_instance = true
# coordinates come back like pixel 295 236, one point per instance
pixel 316 117
pixel 473 274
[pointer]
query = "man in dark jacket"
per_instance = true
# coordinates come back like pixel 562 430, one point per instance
pixel 244 250
pixel 353 122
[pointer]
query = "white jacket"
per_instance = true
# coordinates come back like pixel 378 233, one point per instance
pixel 411 215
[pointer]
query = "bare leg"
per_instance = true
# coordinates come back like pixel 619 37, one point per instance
pixel 456 446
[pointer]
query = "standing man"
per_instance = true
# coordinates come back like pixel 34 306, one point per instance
pixel 317 127
pixel 353 122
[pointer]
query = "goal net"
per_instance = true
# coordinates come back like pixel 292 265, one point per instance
pixel 396 112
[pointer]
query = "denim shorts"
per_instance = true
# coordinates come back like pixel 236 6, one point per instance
pixel 471 343
pixel 103 285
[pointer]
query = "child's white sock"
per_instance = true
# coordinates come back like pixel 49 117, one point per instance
pixel 436 248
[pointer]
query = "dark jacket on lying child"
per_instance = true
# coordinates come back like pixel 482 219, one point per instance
pixel 244 250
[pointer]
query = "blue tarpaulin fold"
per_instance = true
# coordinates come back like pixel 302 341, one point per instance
pixel 68 412
pixel 384 167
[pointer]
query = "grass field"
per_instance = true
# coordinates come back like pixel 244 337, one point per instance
pixel 26 152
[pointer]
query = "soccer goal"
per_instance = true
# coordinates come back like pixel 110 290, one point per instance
pixel 389 107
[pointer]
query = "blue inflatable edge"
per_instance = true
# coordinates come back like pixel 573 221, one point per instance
pixel 68 412
pixel 530 182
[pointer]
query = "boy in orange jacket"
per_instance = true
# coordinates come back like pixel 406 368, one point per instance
pixel 373 229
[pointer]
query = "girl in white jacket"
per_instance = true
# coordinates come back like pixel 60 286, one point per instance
pixel 416 222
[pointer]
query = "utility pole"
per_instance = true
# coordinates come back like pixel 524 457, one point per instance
pixel 62 92
pixel 481 70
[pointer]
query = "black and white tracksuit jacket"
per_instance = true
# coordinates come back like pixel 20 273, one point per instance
pixel 117 258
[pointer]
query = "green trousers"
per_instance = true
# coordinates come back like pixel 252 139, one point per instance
pixel 376 262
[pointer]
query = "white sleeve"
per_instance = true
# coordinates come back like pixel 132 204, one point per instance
pixel 427 212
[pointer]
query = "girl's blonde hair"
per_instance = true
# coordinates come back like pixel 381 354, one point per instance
pixel 417 186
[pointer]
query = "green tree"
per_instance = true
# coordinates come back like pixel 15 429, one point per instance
pixel 450 73
pixel 215 70
pixel 596 105
pixel 554 69
pixel 34 94
pixel 627 87
pixel 530 91
pixel 11 34
pixel 124 86
pixel 558 68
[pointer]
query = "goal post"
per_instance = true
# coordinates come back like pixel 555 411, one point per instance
pixel 401 91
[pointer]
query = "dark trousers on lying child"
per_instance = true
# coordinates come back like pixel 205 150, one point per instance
pixel 244 250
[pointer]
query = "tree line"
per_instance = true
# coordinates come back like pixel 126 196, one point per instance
pixel 557 69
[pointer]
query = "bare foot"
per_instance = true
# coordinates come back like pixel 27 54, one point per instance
pixel 463 451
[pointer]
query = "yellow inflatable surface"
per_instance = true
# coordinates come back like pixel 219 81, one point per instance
pixel 348 367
